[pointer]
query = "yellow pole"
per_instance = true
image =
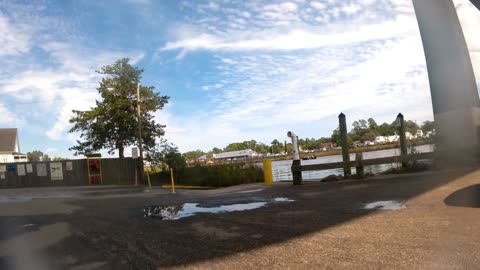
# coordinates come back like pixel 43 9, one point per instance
pixel 173 182
pixel 267 172
pixel 148 178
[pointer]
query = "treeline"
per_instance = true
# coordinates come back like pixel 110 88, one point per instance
pixel 40 156
pixel 362 130
pixel 368 130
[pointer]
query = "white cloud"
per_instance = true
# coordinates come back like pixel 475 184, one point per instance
pixel 15 39
pixel 351 8
pixel 8 118
pixel 298 39
pixel 283 7
pixel 318 5
pixel 51 150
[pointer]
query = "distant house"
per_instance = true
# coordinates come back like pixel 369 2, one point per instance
pixel 233 155
pixel 380 140
pixel 202 159
pixel 393 138
pixel 409 136
pixel 9 146
pixel 419 134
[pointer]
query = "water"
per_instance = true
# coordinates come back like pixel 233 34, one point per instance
pixel 385 205
pixel 174 212
pixel 281 170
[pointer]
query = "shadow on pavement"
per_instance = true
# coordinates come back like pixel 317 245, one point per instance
pixel 114 230
pixel 466 197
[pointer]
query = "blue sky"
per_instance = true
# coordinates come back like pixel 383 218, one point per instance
pixel 235 70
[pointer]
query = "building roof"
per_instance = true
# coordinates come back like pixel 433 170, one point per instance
pixel 8 140
pixel 236 154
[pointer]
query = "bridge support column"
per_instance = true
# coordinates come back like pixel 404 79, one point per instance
pixel 455 101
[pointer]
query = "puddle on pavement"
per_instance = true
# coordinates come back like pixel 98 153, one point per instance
pixel 385 205
pixel 281 199
pixel 174 212
pixel 250 191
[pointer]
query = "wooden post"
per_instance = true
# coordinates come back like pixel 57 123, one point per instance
pixel 296 172
pixel 403 140
pixel 344 144
pixel 173 181
pixel 359 168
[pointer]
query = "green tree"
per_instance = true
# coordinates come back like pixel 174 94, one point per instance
pixel 411 126
pixel 216 150
pixel 428 126
pixel 386 129
pixel 192 155
pixel 37 155
pixel 372 125
pixel 112 124
pixel 336 136
pixel 166 153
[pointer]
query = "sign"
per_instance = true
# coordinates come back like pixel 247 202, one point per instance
pixel 56 171
pixel 11 168
pixel 134 152
pixel 29 168
pixel 3 168
pixel 41 169
pixel 2 175
pixel 69 166
pixel 21 169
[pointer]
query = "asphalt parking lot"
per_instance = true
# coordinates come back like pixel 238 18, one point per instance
pixel 428 220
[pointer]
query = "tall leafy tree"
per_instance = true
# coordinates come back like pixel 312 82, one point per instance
pixel 113 124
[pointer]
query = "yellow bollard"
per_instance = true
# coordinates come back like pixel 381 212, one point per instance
pixel 173 182
pixel 149 183
pixel 267 172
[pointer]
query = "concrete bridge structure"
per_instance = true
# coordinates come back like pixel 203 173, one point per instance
pixel 456 104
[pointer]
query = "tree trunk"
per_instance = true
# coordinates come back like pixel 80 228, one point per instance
pixel 121 151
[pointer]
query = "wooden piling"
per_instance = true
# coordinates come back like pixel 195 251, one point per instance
pixel 359 168
pixel 344 144
pixel 403 139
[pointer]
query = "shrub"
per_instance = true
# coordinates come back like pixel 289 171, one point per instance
pixel 213 176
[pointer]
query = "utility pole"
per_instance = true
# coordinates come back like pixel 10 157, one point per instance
pixel 139 118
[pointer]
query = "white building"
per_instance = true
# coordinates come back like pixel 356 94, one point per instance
pixel 419 134
pixel 241 154
pixel 393 138
pixel 380 140
pixel 409 136
pixel 9 147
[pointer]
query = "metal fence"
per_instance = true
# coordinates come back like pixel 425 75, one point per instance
pixel 115 171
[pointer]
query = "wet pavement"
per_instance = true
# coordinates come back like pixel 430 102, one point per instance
pixel 429 220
